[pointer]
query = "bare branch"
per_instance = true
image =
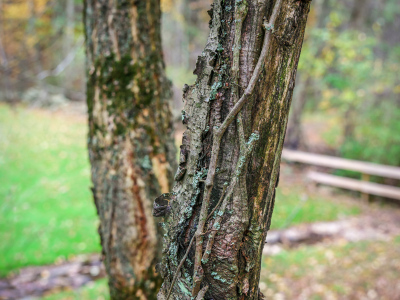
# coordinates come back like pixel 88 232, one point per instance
pixel 62 65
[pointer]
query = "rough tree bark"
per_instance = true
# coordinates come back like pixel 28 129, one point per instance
pixel 223 198
pixel 131 146
pixel 222 202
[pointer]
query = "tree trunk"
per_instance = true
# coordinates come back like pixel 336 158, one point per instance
pixel 7 93
pixel 359 14
pixel 131 145
pixel 294 132
pixel 223 198
pixel 68 42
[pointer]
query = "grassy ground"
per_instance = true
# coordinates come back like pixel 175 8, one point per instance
pixel 363 270
pixel 295 206
pixel 93 291
pixel 45 202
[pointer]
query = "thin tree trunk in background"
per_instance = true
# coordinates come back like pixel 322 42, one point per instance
pixel 294 138
pixel 294 132
pixel 7 93
pixel 34 57
pixel 131 145
pixel 349 122
pixel 224 193
pixel 68 45
pixel 358 18
pixel 359 14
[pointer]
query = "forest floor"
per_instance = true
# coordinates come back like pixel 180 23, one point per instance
pixel 324 243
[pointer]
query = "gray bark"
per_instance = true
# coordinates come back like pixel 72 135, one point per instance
pixel 224 193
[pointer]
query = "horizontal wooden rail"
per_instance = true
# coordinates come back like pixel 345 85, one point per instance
pixel 341 163
pixel 356 185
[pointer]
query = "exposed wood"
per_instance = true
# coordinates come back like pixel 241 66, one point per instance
pixel 356 185
pixel 341 163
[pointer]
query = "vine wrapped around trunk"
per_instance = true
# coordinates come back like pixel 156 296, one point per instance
pixel 131 145
pixel 222 202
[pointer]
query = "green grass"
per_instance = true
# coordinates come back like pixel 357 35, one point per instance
pixel 97 291
pixel 293 206
pixel 45 203
pixel 334 271
pixel 46 208
pixel 324 271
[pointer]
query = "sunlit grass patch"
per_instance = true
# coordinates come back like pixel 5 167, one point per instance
pixel 47 212
pixel 93 291
pixel 294 206
pixel 45 203
pixel 326 271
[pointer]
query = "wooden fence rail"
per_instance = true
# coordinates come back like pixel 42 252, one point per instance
pixel 341 163
pixel 364 168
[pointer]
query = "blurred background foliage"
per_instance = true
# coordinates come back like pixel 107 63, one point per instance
pixel 346 103
pixel 350 63
pixel 349 67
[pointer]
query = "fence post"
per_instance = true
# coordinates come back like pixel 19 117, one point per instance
pixel 365 196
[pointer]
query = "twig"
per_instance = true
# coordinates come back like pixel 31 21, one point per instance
pixel 239 169
pixel 219 202
pixel 201 294
pixel 62 65
pixel 240 15
pixel 218 133
pixel 179 267
pixel 190 245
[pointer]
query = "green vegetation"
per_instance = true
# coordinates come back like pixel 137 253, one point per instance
pixel 354 70
pixel 97 290
pixel 45 201
pixel 376 127
pixel 46 208
pixel 325 271
pixel 333 271
pixel 292 207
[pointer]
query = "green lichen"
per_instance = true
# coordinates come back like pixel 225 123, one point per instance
pixel 184 289
pixel 214 89
pixel 146 163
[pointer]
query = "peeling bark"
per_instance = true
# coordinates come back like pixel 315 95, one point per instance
pixel 131 145
pixel 225 196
